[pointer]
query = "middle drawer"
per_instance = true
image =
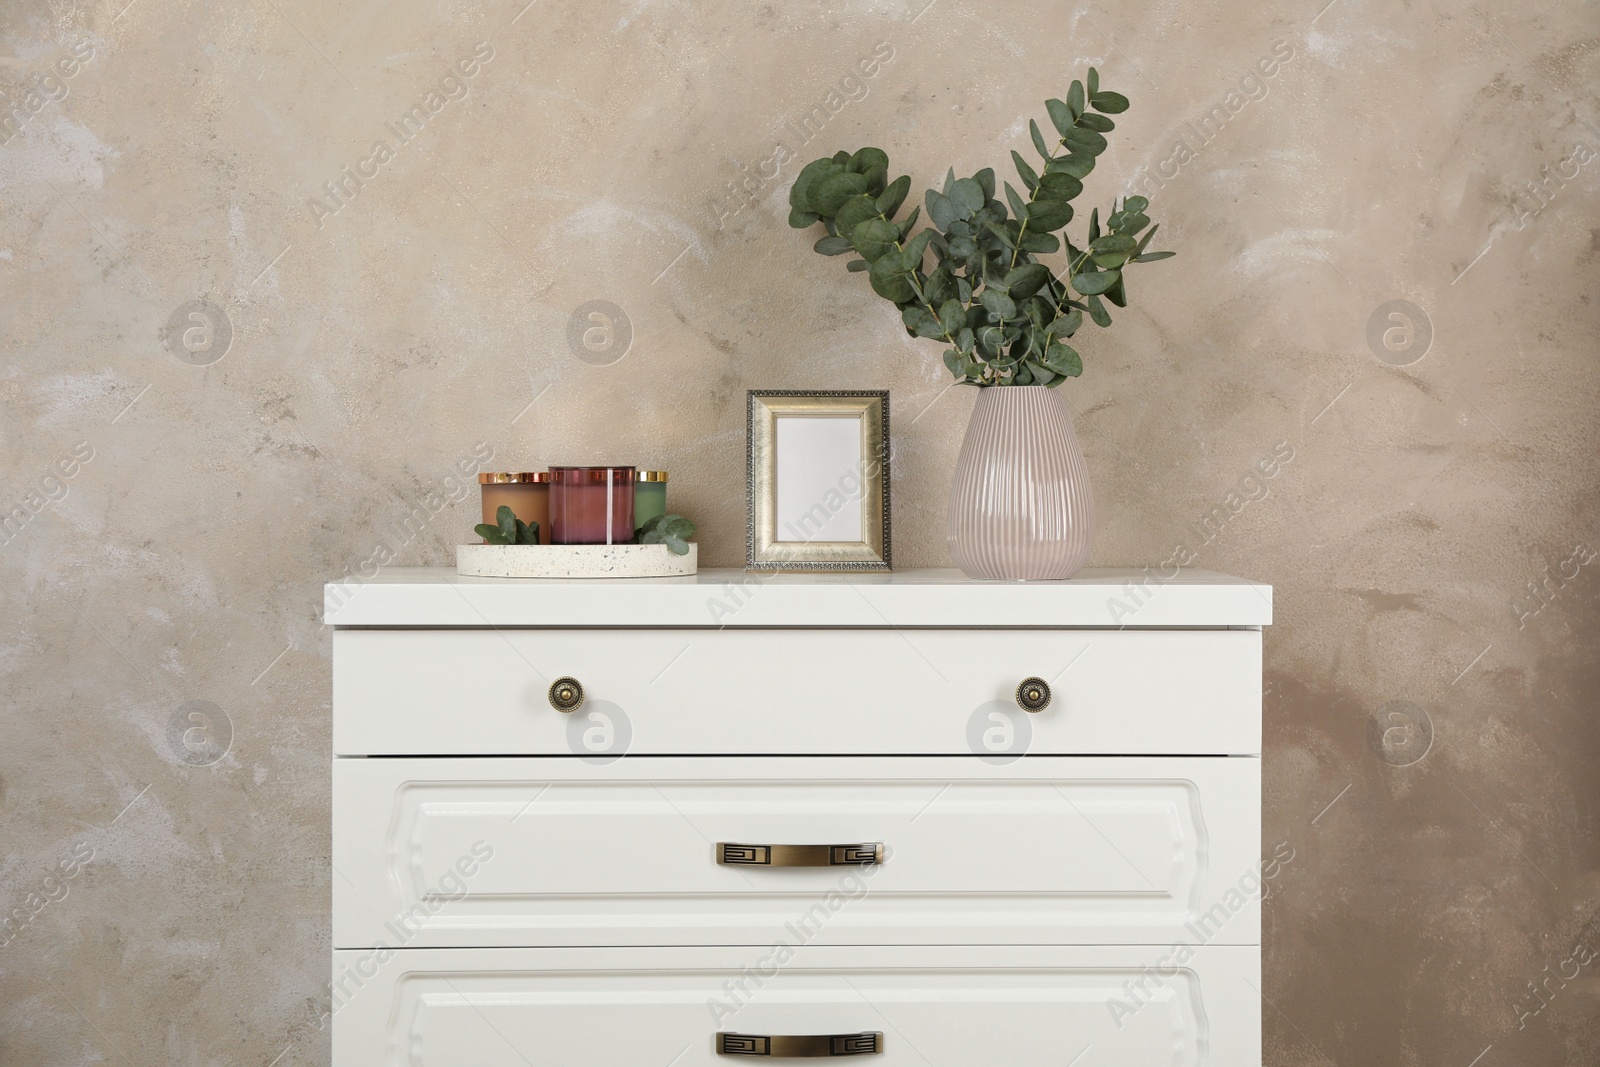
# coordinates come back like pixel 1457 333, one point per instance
pixel 557 852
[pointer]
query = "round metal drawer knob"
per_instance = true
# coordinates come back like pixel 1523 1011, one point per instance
pixel 1033 694
pixel 566 695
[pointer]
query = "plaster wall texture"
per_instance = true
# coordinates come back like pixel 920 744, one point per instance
pixel 1420 490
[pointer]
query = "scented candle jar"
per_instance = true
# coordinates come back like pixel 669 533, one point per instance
pixel 649 497
pixel 591 505
pixel 526 493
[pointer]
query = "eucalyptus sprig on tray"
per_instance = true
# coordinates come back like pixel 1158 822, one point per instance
pixel 510 531
pixel 1005 316
pixel 673 531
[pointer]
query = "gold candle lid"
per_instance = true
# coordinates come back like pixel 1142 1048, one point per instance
pixel 652 476
pixel 511 477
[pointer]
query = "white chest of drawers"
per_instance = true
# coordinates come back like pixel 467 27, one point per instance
pixel 796 816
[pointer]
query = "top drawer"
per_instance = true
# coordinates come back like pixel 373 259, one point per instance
pixel 796 692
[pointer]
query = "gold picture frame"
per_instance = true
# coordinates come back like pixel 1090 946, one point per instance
pixel 818 488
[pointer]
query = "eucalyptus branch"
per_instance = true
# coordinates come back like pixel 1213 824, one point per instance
pixel 988 297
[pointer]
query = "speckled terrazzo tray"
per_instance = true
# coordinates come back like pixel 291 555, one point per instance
pixel 574 561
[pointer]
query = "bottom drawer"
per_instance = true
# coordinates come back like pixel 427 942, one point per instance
pixel 655 1007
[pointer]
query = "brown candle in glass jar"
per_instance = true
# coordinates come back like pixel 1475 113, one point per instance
pixel 526 493
pixel 591 505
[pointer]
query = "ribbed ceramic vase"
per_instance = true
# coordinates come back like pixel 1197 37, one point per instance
pixel 1020 504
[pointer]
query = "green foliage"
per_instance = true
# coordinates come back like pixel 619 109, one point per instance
pixel 674 531
pixel 510 531
pixel 1004 316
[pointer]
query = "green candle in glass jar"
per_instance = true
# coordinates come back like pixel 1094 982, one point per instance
pixel 649 496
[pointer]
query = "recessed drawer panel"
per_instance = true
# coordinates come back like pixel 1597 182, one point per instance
pixel 902 1007
pixel 825 692
pixel 1051 850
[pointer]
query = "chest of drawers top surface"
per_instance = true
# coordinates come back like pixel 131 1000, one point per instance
pixel 718 598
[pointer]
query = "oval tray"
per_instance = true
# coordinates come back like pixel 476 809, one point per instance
pixel 575 561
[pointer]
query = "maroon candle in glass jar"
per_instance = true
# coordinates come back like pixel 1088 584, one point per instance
pixel 591 505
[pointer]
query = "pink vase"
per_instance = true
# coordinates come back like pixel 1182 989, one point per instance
pixel 1020 503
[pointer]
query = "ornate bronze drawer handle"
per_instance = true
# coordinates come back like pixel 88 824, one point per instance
pixel 799 855
pixel 566 695
pixel 1033 694
pixel 800 1045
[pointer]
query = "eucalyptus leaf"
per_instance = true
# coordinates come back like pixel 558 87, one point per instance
pixel 1113 242
pixel 833 246
pixel 1145 240
pixel 1078 166
pixel 911 220
pixel 834 191
pixel 1118 294
pixel 856 266
pixel 916 248
pixel 985 180
pixel 969 194
pixel 999 304
pixel 854 212
pixel 877 180
pixel 1075 101
pixel 874 238
pixel 1093 81
pixel 799 191
pixel 1083 140
pixel 1064 360
pixel 1093 283
pixel 921 322
pixel 890 279
pixel 1018 208
pixel 941 210
pixel 1039 143
pixel 894 196
pixel 952 316
pixel 1029 176
pixel 1110 103
pixel 1002 233
pixel 1060 186
pixel 1066 325
pixel 1060 115
pixel 1026 280
pixel 867 159
pixel 1049 215
pixel 1044 243
pixel 1098 312
pixel 1151 257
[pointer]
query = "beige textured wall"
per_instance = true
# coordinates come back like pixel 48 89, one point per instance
pixel 1431 534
